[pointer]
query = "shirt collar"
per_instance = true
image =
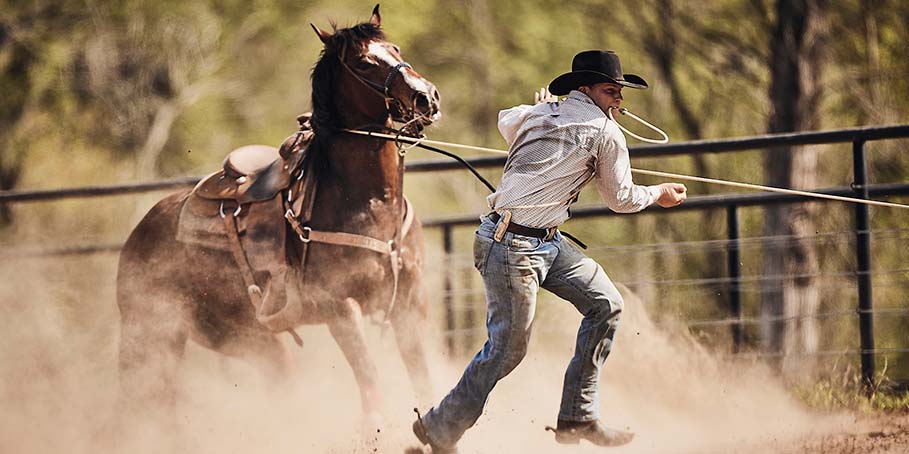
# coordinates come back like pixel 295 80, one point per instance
pixel 579 96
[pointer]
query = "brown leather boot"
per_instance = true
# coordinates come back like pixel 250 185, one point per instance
pixel 571 432
pixel 420 431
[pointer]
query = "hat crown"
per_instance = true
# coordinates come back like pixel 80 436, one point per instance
pixel 593 67
pixel 606 62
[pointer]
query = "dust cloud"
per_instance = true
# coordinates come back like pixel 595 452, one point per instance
pixel 59 385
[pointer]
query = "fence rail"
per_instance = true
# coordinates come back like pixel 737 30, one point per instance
pixel 731 203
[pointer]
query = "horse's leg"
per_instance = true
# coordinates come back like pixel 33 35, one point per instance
pixel 152 342
pixel 409 322
pixel 268 353
pixel 347 327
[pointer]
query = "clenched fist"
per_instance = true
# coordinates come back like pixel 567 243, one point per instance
pixel 671 194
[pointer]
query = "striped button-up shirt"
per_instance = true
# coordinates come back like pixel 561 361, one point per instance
pixel 554 150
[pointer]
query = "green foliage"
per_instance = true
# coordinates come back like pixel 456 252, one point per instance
pixel 845 390
pixel 124 91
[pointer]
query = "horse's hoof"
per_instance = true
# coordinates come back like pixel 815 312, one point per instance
pixel 371 427
pixel 414 450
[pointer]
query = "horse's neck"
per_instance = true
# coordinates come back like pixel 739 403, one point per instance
pixel 363 170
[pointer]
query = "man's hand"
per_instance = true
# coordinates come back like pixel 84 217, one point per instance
pixel 544 96
pixel 671 194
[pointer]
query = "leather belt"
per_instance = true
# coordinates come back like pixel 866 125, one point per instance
pixel 545 234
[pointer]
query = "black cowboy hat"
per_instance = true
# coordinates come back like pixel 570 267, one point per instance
pixel 592 67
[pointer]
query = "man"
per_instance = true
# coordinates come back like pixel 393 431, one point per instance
pixel 555 149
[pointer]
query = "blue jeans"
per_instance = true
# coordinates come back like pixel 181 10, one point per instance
pixel 513 270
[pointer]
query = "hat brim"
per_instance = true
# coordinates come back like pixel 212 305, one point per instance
pixel 562 85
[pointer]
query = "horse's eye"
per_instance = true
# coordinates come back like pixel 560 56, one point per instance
pixel 397 49
pixel 364 65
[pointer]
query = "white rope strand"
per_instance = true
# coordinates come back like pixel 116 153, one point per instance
pixel 625 111
pixel 414 140
pixel 676 176
pixel 768 188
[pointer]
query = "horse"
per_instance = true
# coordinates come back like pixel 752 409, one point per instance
pixel 171 292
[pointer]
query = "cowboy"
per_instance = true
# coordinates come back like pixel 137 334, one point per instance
pixel 555 149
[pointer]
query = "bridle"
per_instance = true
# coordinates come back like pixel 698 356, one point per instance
pixel 383 92
pixel 392 247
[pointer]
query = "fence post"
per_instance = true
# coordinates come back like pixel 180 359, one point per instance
pixel 863 262
pixel 447 298
pixel 735 276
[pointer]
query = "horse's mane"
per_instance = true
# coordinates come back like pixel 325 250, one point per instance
pixel 326 119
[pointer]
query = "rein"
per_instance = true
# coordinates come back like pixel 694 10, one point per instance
pixel 421 143
pixel 392 248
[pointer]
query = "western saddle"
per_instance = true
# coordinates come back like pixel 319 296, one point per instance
pixel 257 173
pixel 241 209
pixel 246 208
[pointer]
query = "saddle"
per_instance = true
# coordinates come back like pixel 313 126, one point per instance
pixel 241 209
pixel 247 207
pixel 257 173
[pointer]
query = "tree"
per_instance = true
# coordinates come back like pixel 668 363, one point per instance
pixel 790 295
pixel 27 34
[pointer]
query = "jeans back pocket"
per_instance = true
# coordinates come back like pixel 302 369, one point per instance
pixel 481 247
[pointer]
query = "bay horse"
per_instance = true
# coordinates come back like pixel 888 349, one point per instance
pixel 170 292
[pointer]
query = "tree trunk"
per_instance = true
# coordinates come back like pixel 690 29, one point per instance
pixel 480 58
pixel 790 294
pixel 661 41
pixel 14 72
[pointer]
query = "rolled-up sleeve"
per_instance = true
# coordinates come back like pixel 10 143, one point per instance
pixel 613 177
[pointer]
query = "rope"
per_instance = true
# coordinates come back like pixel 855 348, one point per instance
pixel 676 176
pixel 625 111
pixel 424 141
pixel 768 188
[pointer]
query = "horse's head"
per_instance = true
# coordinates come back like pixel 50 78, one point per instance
pixel 369 81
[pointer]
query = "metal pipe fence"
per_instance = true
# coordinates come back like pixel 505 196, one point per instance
pixel 733 244
pixel 860 188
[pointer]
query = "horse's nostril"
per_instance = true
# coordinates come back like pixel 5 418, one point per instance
pixel 421 101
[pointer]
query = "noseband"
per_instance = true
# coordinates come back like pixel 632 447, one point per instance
pixel 381 90
pixel 392 74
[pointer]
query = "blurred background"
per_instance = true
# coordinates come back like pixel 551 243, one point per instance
pixel 98 93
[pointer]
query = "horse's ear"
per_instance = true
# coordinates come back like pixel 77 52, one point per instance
pixel 323 35
pixel 376 18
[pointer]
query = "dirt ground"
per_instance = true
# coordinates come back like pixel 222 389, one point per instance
pixel 58 383
pixel 879 434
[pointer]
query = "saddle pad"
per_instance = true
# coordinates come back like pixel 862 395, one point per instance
pixel 261 228
pixel 200 224
pixel 262 233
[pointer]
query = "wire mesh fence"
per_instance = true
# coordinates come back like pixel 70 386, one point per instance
pixel 713 299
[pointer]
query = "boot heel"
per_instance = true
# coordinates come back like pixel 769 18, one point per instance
pixel 567 439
